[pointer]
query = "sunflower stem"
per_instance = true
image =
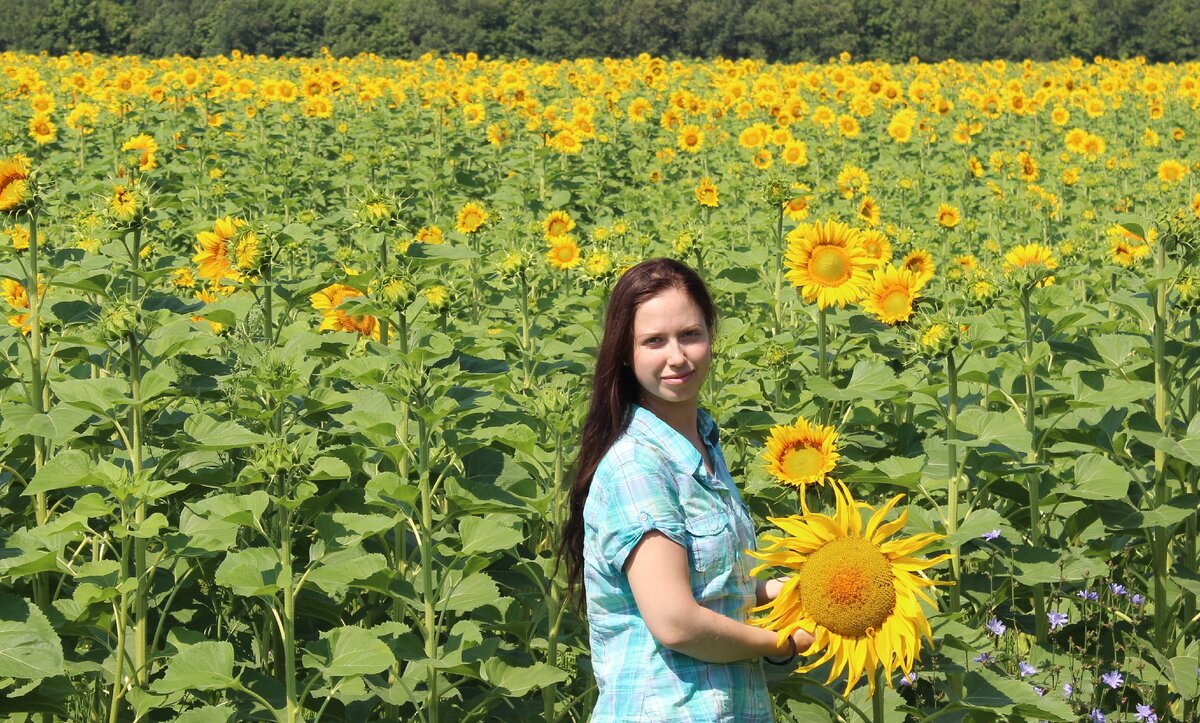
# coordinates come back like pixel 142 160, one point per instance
pixel 1033 478
pixel 780 255
pixel 877 696
pixel 37 393
pixel 1161 535
pixel 383 261
pixel 822 343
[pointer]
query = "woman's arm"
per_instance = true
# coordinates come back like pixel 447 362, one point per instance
pixel 658 575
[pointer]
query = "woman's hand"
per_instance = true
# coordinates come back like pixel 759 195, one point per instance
pixel 765 592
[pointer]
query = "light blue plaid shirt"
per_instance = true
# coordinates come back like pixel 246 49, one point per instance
pixel 654 479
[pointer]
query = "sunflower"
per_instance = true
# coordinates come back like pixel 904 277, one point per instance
pixel 848 126
pixel 948 216
pixel 706 193
pixel 557 225
pixel 877 245
pixel 1126 253
pixel 1033 256
pixel 691 139
pixel 802 453
pixel 470 218
pixel 126 203
pixel 762 159
pixel 18 236
pixel 14 183
pixel 563 253
pixel 42 130
pixel 828 263
pixel 853 180
pixel 857 592
pixel 1171 170
pixel 920 263
pixel 795 153
pixel 212 252
pixel 145 144
pixel 868 211
pixel 429 235
pixel 328 300
pixel 891 294
pixel 796 209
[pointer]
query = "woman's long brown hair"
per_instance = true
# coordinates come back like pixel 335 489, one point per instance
pixel 615 389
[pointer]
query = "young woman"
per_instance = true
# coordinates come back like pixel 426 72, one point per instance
pixel 657 526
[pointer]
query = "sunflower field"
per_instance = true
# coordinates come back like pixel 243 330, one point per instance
pixel 298 350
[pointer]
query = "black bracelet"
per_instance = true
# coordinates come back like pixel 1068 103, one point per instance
pixel 788 660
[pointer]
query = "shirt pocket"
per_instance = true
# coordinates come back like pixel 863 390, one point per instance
pixel 710 541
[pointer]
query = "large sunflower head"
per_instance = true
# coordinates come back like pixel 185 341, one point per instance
pixel 802 453
pixel 328 300
pixel 828 263
pixel 891 294
pixel 1034 259
pixel 14 183
pixel 856 591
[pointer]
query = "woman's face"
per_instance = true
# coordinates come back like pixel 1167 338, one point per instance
pixel 672 348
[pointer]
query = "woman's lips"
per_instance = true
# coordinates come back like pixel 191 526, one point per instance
pixel 678 379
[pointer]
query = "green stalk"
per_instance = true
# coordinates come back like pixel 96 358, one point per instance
pixel 526 329
pixel 122 612
pixel 780 253
pixel 427 584
pixel 550 692
pixel 400 530
pixel 1161 535
pixel 822 343
pixel 952 491
pixel 383 261
pixel 37 393
pixel 877 715
pixel 289 604
pixel 1034 478
pixel 141 600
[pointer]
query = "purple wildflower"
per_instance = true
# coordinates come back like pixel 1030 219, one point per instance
pixel 1026 669
pixel 995 627
pixel 1088 594
pixel 1113 680
pixel 1146 714
pixel 908 679
pixel 1057 620
pixel 989 536
pixel 1117 589
pixel 984 658
pixel 1137 599
pixel 1039 691
pixel 1068 690
pixel 1096 716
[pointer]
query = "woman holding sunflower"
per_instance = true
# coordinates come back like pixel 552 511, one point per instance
pixel 657 526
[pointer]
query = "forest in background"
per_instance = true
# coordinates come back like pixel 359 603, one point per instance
pixel 774 30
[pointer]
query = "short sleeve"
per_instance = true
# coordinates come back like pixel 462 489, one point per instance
pixel 637 494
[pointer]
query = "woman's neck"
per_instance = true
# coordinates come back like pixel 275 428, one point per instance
pixel 680 416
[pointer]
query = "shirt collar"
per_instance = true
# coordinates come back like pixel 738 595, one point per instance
pixel 645 423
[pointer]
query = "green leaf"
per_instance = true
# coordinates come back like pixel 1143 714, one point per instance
pixel 516 681
pixel 208 714
pixel 29 647
pixel 209 433
pixel 474 591
pixel 495 533
pixel 439 252
pixel 250 572
pixel 101 396
pixel 349 651
pixel 988 428
pixel 868 381
pixel 1124 516
pixel 1097 478
pixel 337 571
pixel 986 690
pixel 203 666
pixel 1184 676
pixel 975 525
pixel 69 468
pixel 1039 565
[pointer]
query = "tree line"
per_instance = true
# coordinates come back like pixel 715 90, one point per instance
pixel 774 30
